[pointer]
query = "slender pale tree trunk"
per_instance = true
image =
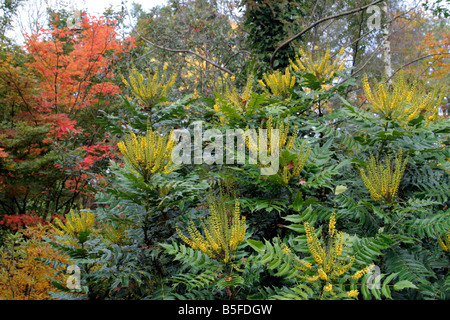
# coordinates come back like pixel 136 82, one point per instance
pixel 387 57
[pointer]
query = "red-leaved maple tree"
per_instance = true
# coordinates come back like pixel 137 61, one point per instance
pixel 52 146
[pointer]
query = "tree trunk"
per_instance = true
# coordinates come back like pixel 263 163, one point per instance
pixel 387 58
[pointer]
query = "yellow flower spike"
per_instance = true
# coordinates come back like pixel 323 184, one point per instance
pixel 321 66
pixel 278 84
pixel 444 242
pixel 383 181
pixel 332 224
pixel 314 245
pixel 352 293
pixel 402 102
pixel 285 249
pixel 76 223
pixel 362 272
pixel 231 101
pixel 224 229
pixel 339 244
pixel 149 154
pixel 328 287
pixel 322 274
pixel 285 142
pixel 155 88
pixel 329 263
pixel 312 278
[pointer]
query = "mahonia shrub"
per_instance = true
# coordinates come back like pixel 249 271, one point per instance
pixel 223 230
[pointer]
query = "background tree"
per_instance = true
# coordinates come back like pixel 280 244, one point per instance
pixel 69 74
pixel 195 39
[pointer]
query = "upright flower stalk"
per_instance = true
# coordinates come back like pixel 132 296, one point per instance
pixel 278 84
pixel 78 225
pixel 329 265
pixel 383 180
pixel 148 154
pixel 147 92
pixel 223 230
pixel 403 101
pixel 323 67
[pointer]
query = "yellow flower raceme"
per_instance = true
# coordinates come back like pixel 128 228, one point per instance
pixel 383 181
pixel 362 272
pixel 150 90
pixel 149 154
pixel 328 287
pixel 233 101
pixel 445 242
pixel 291 166
pixel 285 248
pixel 402 102
pixel 223 230
pixel 78 225
pixel 332 224
pixel 321 66
pixel 278 84
pixel 328 257
pixel 328 271
pixel 352 293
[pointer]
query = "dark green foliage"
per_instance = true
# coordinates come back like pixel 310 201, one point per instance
pixel 268 23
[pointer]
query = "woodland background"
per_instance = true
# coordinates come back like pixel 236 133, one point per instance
pixel 358 209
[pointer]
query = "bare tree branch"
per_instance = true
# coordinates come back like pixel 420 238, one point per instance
pixel 418 59
pixel 338 15
pixel 215 64
pixel 364 65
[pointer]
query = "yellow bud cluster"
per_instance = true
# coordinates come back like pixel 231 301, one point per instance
pixel 352 293
pixel 321 66
pixel 150 90
pixel 76 223
pixel 149 154
pixel 362 272
pixel 445 242
pixel 328 258
pixel 402 102
pixel 383 181
pixel 285 249
pixel 231 99
pixel 278 84
pixel 223 230
pixel 286 142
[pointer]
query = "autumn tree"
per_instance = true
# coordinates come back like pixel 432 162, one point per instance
pixel 421 46
pixel 196 39
pixel 50 136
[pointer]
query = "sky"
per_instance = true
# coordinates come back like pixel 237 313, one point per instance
pixel 98 6
pixel 36 8
pixel 33 10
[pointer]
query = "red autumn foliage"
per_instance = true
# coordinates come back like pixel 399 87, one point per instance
pixel 69 75
pixel 70 81
pixel 19 221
